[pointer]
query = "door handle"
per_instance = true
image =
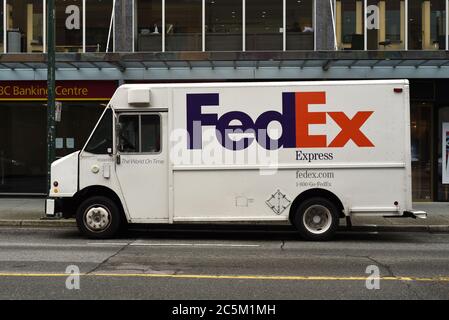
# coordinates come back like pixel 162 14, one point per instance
pixel 118 159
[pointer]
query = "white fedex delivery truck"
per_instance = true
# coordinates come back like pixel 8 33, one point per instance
pixel 308 153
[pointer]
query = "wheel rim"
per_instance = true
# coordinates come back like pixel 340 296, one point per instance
pixel 97 218
pixel 317 219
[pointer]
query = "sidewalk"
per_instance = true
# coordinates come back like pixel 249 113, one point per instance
pixel 437 220
pixel 27 212
pixel 30 213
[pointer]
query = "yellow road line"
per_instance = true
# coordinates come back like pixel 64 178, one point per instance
pixel 231 277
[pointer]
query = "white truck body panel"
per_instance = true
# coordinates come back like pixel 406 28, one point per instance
pixel 354 142
pixel 65 172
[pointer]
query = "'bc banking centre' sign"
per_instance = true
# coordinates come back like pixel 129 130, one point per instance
pixel 65 90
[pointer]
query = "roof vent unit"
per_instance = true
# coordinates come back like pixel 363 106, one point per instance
pixel 139 97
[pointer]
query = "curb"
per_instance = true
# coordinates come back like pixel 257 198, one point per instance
pixel 38 223
pixel 361 228
pixel 400 228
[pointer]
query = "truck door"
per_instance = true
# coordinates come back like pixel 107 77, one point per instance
pixel 142 164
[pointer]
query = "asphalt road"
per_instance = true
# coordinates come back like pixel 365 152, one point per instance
pixel 222 263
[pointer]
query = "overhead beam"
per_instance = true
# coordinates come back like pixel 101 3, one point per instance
pixel 398 64
pixel 119 65
pixel 421 63
pixel 445 63
pixel 327 65
pixel 376 63
pixel 353 63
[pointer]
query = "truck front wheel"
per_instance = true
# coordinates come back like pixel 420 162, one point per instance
pixel 98 217
pixel 316 219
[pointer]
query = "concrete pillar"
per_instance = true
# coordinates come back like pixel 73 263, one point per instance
pixel 124 26
pixel 359 17
pixel 382 22
pixel 323 26
pixel 29 26
pixel 426 40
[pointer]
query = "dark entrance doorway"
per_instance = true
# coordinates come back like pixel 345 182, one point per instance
pixel 422 150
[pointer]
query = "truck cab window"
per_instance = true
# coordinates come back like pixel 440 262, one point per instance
pixel 101 139
pixel 129 133
pixel 151 133
pixel 139 133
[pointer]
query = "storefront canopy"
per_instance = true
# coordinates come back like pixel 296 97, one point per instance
pixel 299 64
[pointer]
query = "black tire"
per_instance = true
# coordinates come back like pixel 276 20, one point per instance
pixel 105 207
pixel 328 225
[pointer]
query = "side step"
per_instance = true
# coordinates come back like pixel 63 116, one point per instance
pixel 411 214
pixel 415 214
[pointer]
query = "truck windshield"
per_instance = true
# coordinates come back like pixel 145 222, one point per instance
pixel 101 139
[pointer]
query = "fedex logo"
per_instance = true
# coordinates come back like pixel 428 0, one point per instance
pixel 295 120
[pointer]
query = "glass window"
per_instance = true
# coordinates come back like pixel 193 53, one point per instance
pixel 349 25
pixel 151 133
pixel 69 24
pixel 140 133
pixel 421 142
pixel 129 133
pixel 264 25
pixel 437 25
pixel 427 26
pixel 149 25
pixel 385 24
pixel 78 119
pixel 23 147
pixel 25 25
pixel 300 30
pixel 183 20
pixel 101 139
pixel 98 20
pixel 414 25
pixel 224 25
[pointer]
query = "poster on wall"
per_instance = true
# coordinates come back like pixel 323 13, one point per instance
pixel 445 153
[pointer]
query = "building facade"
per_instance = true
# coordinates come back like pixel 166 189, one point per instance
pixel 103 43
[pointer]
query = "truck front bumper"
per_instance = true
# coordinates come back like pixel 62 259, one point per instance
pixel 53 207
pixel 50 207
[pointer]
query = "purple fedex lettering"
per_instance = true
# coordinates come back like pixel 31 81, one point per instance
pixel 224 128
pixel 287 121
pixel 295 120
pixel 195 117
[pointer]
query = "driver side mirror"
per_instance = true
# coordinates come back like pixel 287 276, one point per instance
pixel 118 132
pixel 118 128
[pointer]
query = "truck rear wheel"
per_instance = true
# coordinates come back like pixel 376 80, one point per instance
pixel 98 217
pixel 316 219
